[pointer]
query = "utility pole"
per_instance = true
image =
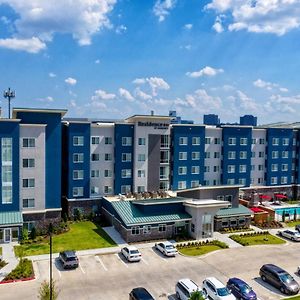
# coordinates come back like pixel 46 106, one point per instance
pixel 9 94
pixel 51 283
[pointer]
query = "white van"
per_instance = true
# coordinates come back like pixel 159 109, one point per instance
pixel 185 287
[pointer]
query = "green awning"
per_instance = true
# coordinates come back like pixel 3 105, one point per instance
pixel 234 211
pixel 11 218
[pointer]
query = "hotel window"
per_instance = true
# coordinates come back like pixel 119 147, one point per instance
pixel 207 154
pixel 6 194
pixel 274 167
pixel 243 155
pixel 243 141
pixel 194 183
pixel 252 154
pixel 217 141
pixel 141 157
pixel 29 142
pixel 108 189
pixel 243 168
pixel 196 140
pixel 164 141
pixel 253 141
pixel 77 191
pixel 293 166
pixel 192 227
pixel 78 140
pixel 261 154
pixel 216 154
pixel 95 190
pixel 273 180
pixel 242 181
pixel 252 167
pixel 95 157
pixel 126 141
pixel 216 182
pixel 141 189
pixel 292 179
pixel 228 198
pixel 125 189
pixel 231 169
pixel 6 180
pixel 78 174
pixel 195 170
pixel 260 180
pixel 196 155
pixel 135 230
pixel 181 185
pixel 95 140
pixel 274 154
pixel 294 154
pixel 108 140
pixel 230 181
pixel 220 197
pixel 183 140
pixel 182 170
pixel 231 155
pixel 107 173
pixel 207 140
pixel 285 154
pixel 142 141
pixel 28 163
pixel 260 167
pixel 95 173
pixel 108 156
pixel 275 141
pixel 182 155
pixel 251 180
pixel 162 227
pixel 284 180
pixel 284 167
pixel 28 183
pixel 141 173
pixel 232 141
pixel 126 173
pixel 206 169
pixel 206 182
pixel 28 203
pixel 285 142
pixel 216 169
pixel 78 157
pixel 261 141
pixel 126 157
pixel 294 142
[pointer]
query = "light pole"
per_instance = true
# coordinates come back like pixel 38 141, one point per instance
pixel 51 284
pixel 9 94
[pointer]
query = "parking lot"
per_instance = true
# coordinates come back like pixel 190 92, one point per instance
pixel 112 277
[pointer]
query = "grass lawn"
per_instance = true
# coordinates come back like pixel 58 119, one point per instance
pixel 0 250
pixel 81 236
pixel 198 250
pixel 293 298
pixel 261 239
pixel 292 223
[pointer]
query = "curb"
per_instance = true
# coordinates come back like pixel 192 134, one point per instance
pixel 17 280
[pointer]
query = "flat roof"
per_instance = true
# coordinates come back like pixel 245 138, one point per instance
pixel 207 203
pixel 211 187
pixel 154 201
pixel 39 110
pixel 148 116
pixel 241 210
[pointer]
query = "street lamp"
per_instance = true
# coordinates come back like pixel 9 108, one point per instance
pixel 50 229
pixel 9 94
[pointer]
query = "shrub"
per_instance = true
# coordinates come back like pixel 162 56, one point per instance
pixel 33 233
pixel 23 270
pixel 44 291
pixel 24 234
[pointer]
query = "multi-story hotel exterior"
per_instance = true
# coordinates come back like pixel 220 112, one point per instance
pixel 49 162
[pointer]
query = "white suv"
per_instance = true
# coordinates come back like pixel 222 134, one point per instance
pixel 166 248
pixel 216 290
pixel 185 287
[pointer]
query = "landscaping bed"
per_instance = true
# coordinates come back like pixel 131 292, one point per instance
pixel 232 230
pixel 256 238
pixel 23 271
pixel 269 225
pixel 292 223
pixel 82 235
pixel 200 247
pixel 293 298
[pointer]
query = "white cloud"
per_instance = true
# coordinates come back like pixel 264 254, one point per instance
pixel 71 81
pixel 102 95
pixel 162 8
pixel 188 26
pixel 73 103
pixel 48 99
pixel 139 81
pixel 126 94
pixel 121 29
pixel 97 61
pixel 154 83
pixel 206 71
pixel 142 95
pixel 269 85
pixel 43 19
pixel 218 27
pixel 264 16
pixel 52 75
pixel 31 45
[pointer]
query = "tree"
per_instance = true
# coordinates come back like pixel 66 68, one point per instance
pixel 44 291
pixel 197 295
pixel 33 233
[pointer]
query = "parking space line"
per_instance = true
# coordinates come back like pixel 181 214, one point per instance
pixel 120 259
pixel 101 262
pixel 159 254
pixel 81 269
pixel 145 261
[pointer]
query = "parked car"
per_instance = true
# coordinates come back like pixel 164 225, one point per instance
pixel 185 287
pixel 240 289
pixel 140 293
pixel 166 248
pixel 68 259
pixel 293 235
pixel 216 290
pixel 279 278
pixel 131 253
pixel 297 227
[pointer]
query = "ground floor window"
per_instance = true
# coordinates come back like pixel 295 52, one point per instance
pixel 242 221
pixel 29 225
pixel 135 230
pixel 192 227
pixel 233 222
pixel 15 233
pixel 146 229
pixel 224 223
pixel 162 227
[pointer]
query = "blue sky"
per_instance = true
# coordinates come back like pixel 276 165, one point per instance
pixel 115 58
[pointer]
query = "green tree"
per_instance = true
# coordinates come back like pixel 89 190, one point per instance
pixel 33 233
pixel 197 295
pixel 44 291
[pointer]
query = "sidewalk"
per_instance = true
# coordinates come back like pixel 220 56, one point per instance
pixel 8 255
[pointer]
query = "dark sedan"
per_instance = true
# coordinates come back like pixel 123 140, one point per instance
pixel 240 289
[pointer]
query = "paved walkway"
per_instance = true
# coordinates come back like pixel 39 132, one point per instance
pixel 8 255
pixel 115 235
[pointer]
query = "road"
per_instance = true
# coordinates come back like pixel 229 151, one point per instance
pixel 111 277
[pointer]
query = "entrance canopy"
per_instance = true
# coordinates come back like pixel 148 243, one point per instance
pixel 11 218
pixel 280 196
